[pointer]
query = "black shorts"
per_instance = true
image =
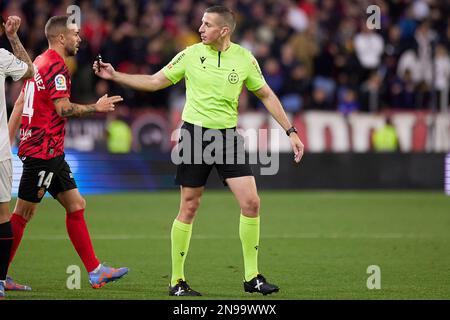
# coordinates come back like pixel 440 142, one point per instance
pixel 200 149
pixel 40 176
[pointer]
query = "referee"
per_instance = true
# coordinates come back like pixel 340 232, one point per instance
pixel 215 71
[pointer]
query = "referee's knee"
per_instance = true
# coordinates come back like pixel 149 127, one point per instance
pixel 250 206
pixel 189 207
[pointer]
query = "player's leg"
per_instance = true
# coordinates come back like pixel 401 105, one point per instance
pixel 6 236
pixel 180 239
pixel 23 212
pixel 245 191
pixel 75 205
pixel 77 230
pixel 6 239
pixel 32 188
pixel 31 192
pixel 191 176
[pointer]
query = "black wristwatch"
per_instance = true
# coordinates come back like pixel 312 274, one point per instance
pixel 290 130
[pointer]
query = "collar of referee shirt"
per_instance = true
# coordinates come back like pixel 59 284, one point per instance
pixel 213 48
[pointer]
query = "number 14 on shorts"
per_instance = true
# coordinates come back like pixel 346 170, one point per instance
pixel 43 180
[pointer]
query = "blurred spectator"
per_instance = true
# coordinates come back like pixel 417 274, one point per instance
pixel 349 103
pixel 385 139
pixel 305 47
pixel 273 75
pixel 119 135
pixel 319 100
pixel 442 67
pixel 402 92
pixel 297 18
pixel 327 85
pixel 371 92
pixel 369 47
pixel 295 88
pixel 420 9
pixel 409 61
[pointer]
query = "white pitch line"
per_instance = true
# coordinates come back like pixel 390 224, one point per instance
pixel 284 236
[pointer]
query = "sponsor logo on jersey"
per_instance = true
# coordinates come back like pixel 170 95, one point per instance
pixel 179 58
pixel 60 82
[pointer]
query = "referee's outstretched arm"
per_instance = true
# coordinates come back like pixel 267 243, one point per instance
pixel 141 82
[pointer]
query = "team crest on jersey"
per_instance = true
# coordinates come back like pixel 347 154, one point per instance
pixel 233 77
pixel 60 82
pixel 41 192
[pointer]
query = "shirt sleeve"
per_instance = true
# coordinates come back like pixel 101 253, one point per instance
pixel 176 68
pixel 11 66
pixel 255 79
pixel 58 83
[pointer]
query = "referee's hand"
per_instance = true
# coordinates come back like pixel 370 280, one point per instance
pixel 103 70
pixel 297 146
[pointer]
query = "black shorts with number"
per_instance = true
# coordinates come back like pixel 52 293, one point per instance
pixel 40 176
pixel 197 155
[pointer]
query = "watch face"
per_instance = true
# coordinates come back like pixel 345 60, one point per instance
pixel 290 130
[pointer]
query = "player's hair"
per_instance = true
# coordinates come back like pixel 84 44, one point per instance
pixel 226 14
pixel 2 21
pixel 55 26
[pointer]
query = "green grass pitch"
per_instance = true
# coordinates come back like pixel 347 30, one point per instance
pixel 314 245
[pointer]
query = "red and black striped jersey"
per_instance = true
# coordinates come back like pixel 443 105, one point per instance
pixel 42 129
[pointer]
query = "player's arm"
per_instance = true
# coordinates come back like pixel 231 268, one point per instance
pixel 141 82
pixel 14 119
pixel 273 105
pixel 11 26
pixel 65 108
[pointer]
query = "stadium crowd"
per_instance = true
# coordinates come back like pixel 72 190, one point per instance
pixel 315 54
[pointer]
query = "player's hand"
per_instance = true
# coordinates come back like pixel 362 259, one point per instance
pixel 297 146
pixel 106 104
pixel 103 70
pixel 11 26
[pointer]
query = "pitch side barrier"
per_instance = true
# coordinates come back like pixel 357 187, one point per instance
pixel 102 172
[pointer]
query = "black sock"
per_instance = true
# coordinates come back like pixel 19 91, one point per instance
pixel 6 240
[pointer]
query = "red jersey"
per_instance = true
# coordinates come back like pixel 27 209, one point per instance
pixel 42 129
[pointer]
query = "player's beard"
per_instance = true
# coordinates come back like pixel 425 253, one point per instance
pixel 71 51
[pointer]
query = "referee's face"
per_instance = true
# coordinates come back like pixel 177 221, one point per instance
pixel 211 29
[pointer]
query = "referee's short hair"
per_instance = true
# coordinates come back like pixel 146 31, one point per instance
pixel 226 14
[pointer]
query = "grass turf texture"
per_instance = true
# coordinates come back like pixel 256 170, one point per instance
pixel 314 245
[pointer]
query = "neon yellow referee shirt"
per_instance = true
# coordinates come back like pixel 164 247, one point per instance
pixel 214 82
